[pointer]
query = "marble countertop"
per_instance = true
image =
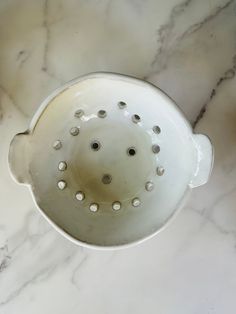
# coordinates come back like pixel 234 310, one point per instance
pixel 187 48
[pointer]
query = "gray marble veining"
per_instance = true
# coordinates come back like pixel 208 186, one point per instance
pixel 188 49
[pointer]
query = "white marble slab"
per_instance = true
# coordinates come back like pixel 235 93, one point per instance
pixel 188 48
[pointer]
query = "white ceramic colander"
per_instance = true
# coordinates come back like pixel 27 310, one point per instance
pixel 109 159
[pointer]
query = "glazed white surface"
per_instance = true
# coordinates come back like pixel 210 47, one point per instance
pixel 186 48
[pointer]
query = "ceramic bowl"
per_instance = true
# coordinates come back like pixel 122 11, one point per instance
pixel 109 159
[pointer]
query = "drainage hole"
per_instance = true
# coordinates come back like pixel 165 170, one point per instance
pixel 95 145
pixel 131 151
pixel 106 179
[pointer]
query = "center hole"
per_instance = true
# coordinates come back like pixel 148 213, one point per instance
pixel 131 151
pixel 95 145
pixel 106 179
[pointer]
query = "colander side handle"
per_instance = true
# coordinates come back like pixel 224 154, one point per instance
pixel 18 158
pixel 205 158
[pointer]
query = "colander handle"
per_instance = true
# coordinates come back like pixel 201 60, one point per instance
pixel 19 157
pixel 205 157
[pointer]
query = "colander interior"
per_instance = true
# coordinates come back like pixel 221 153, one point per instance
pixel 111 158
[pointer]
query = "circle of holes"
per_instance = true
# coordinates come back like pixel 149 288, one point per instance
pixel 131 151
